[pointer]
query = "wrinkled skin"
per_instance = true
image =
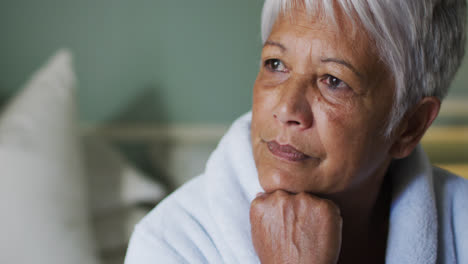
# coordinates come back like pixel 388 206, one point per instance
pixel 296 228
pixel 320 104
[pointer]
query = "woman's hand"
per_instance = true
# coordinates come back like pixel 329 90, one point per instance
pixel 295 228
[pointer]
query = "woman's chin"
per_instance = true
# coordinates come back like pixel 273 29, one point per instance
pixel 291 184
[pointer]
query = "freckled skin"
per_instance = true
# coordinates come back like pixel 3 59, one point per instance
pixel 323 95
pixel 340 130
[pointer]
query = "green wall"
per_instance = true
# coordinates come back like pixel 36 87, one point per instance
pixel 144 60
pixel 140 60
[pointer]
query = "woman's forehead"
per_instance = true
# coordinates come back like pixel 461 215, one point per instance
pixel 297 28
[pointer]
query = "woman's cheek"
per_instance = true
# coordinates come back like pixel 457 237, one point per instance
pixel 336 107
pixel 333 117
pixel 340 100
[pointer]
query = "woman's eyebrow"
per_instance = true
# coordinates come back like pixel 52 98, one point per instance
pixel 273 43
pixel 323 60
pixel 344 63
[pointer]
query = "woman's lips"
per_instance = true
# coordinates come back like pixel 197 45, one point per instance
pixel 286 151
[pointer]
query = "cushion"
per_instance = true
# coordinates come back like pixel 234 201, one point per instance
pixel 43 193
pixel 120 195
pixel 114 182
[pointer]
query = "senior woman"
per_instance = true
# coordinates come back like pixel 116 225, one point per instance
pixel 327 168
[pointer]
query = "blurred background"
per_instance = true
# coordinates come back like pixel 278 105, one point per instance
pixel 146 63
pixel 160 81
pixel 175 61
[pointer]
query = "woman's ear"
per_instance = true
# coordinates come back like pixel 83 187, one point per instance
pixel 413 126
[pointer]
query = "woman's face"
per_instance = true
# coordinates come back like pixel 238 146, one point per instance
pixel 320 103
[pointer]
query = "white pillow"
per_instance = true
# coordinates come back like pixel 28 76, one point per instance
pixel 117 188
pixel 43 198
pixel 114 182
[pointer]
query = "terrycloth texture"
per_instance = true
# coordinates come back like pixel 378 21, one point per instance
pixel 207 220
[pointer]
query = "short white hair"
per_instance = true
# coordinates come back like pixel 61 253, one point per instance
pixel 420 41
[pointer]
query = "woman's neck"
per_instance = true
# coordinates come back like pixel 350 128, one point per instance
pixel 364 240
pixel 365 213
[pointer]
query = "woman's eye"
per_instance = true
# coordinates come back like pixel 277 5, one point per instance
pixel 334 83
pixel 275 65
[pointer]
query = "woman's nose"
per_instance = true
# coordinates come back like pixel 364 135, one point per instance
pixel 293 108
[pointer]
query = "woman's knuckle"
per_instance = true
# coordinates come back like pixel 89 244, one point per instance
pixel 280 194
pixel 302 203
pixel 325 207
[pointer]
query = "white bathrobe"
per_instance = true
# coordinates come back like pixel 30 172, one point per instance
pixel 207 219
